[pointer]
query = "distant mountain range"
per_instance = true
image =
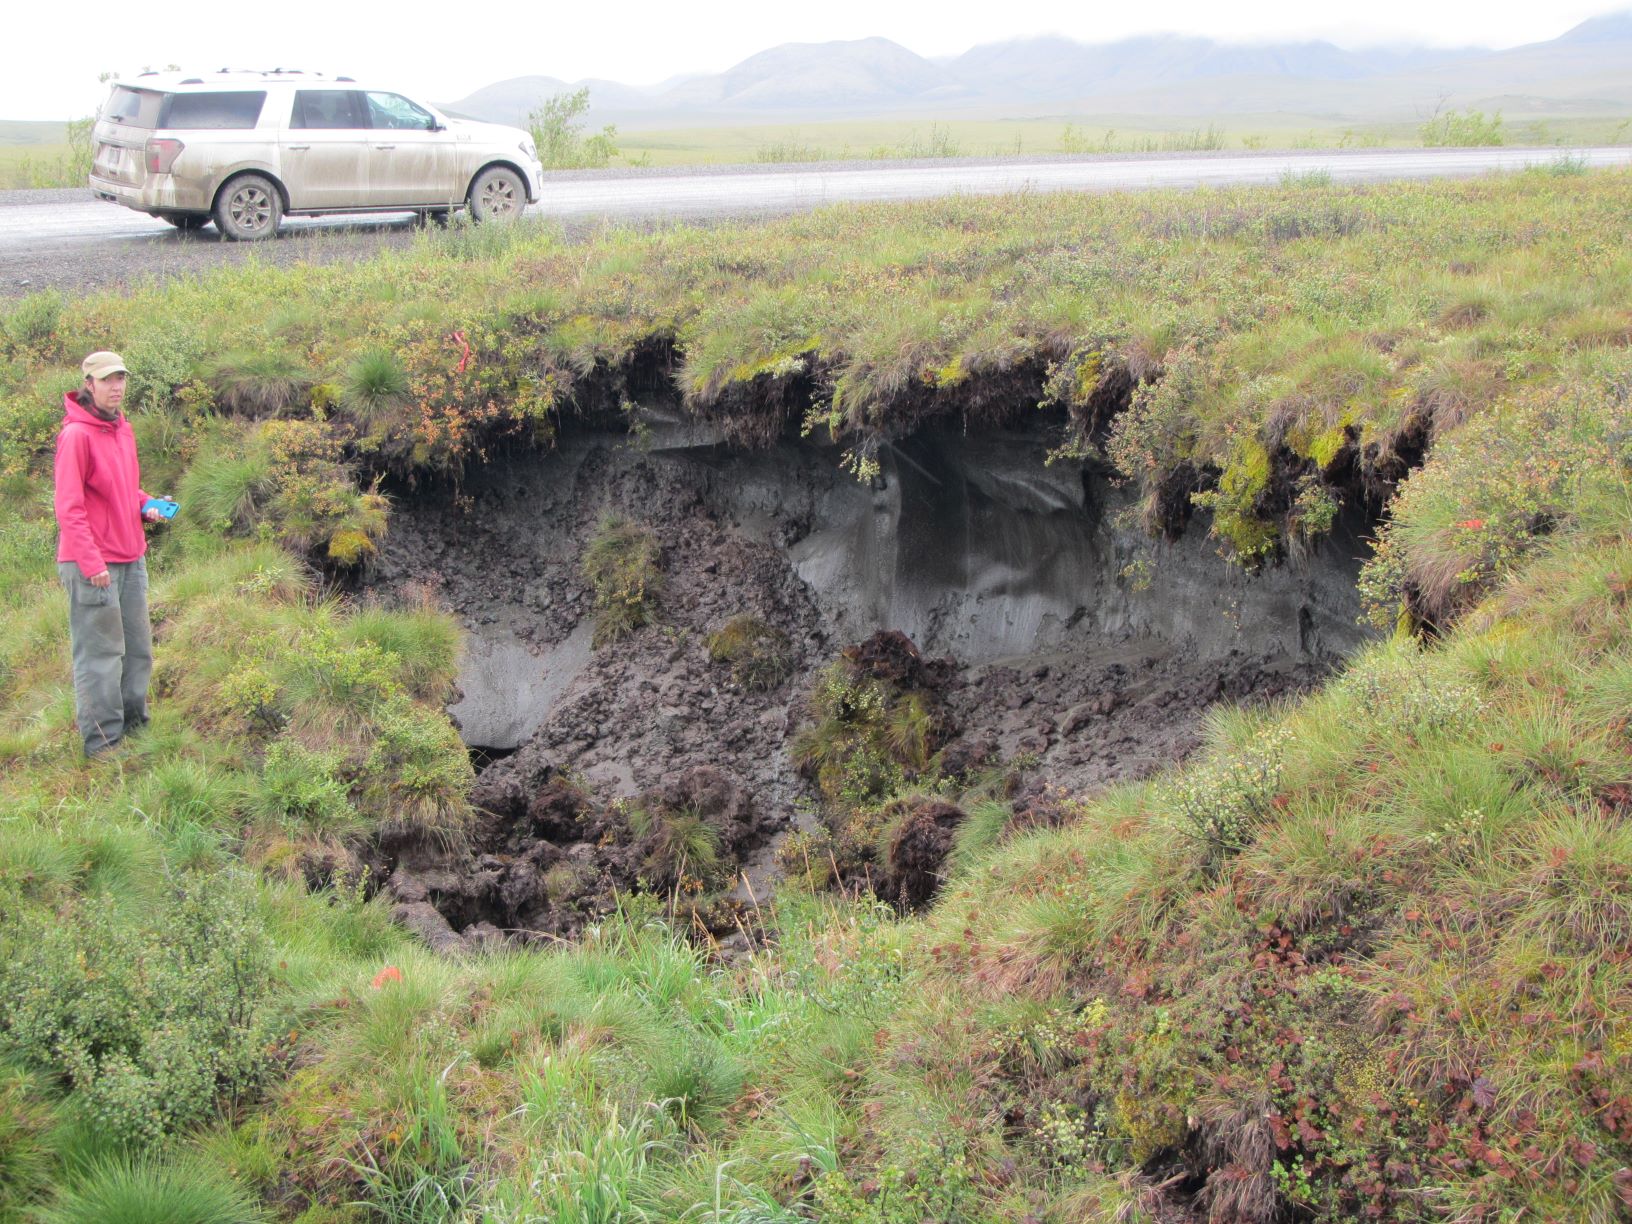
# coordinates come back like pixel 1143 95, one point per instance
pixel 1587 70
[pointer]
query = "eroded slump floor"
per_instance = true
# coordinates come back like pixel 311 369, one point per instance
pixel 971 547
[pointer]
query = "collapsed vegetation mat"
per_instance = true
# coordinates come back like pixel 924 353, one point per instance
pixel 1362 955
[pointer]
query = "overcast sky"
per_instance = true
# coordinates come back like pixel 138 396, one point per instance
pixel 54 50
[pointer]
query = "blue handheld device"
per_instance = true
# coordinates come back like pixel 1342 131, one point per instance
pixel 166 508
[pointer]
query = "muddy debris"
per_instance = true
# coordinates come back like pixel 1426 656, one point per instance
pixel 916 861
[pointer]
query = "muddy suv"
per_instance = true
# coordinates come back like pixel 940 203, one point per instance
pixel 246 149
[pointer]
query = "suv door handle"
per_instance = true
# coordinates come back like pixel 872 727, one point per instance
pixel 297 148
pixel 392 146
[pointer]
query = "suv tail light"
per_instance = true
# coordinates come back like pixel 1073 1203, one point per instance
pixel 162 154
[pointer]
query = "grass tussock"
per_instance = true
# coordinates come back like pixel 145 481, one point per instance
pixel 622 566
pixel 259 382
pixel 760 656
pixel 149 1191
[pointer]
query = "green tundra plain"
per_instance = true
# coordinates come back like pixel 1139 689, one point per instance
pixel 1365 955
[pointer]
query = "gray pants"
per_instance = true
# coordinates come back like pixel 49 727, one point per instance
pixel 113 651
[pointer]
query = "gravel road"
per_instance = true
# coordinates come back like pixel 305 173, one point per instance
pixel 46 253
pixel 66 239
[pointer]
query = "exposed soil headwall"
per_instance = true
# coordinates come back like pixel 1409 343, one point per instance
pixel 967 543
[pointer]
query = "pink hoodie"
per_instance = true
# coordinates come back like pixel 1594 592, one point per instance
pixel 99 491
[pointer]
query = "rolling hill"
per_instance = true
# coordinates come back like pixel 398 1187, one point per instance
pixel 1586 70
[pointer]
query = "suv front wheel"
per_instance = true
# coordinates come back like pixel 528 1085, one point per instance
pixel 498 194
pixel 248 208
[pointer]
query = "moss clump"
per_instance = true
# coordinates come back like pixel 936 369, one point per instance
pixel 1324 448
pixel 350 547
pixel 948 375
pixel 1248 536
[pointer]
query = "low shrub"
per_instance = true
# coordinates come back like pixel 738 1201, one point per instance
pixel 30 417
pixel 1500 484
pixel 425 640
pixel 1462 130
pixel 1219 803
pixel 164 359
pixel 301 791
pixel 316 502
pixel 150 1020
pixel 32 328
pixel 557 126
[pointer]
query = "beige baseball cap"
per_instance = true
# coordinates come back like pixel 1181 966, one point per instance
pixel 101 365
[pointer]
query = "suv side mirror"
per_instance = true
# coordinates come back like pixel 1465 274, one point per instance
pixel 431 125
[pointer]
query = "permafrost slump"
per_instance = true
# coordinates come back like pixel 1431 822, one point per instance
pixel 968 543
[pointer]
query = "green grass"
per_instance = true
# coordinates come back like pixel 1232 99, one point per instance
pixel 147 1191
pixel 1379 928
pixel 374 383
pixel 1078 134
pixel 44 154
pixel 43 165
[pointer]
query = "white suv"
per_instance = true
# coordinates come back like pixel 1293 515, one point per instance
pixel 247 149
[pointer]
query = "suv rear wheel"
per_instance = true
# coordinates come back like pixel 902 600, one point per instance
pixel 248 208
pixel 498 194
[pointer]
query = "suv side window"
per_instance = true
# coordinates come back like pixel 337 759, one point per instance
pixel 389 110
pixel 327 108
pixel 212 110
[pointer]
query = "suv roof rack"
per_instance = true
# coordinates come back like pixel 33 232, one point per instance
pixel 261 72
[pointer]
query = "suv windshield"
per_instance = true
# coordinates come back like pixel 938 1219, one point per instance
pixel 389 110
pixel 133 107
pixel 212 110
